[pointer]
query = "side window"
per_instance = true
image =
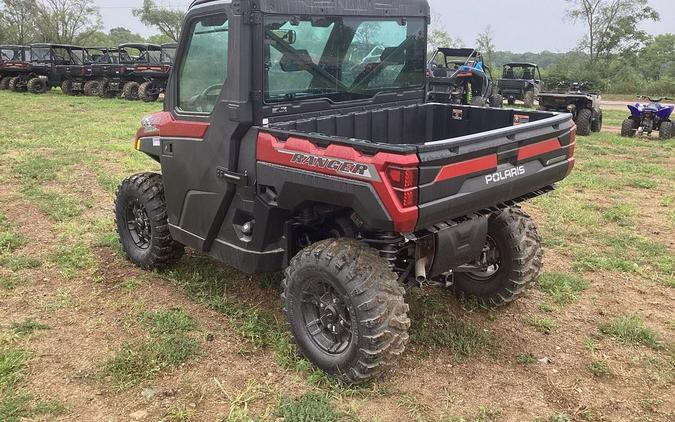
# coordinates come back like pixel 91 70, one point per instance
pixel 203 68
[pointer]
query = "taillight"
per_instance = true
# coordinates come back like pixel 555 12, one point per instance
pixel 122 70
pixel 166 68
pixel 404 181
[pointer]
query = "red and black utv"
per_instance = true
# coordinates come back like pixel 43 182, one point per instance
pixel 142 72
pixel 14 60
pixel 284 147
pixel 41 75
pixel 76 76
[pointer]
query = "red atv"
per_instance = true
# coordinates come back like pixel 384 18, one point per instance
pixel 283 147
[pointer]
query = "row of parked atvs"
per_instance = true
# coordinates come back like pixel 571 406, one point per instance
pixel 133 71
pixel 460 76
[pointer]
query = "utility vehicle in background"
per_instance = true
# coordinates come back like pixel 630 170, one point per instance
pixel 579 99
pixel 41 74
pixel 14 60
pixel 75 76
pixel 460 76
pixel 647 118
pixel 289 152
pixel 521 82
pixel 142 72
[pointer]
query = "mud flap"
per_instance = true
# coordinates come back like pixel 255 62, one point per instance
pixel 458 244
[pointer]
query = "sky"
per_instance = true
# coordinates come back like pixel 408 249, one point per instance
pixel 518 25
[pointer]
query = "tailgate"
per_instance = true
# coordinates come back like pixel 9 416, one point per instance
pixel 474 172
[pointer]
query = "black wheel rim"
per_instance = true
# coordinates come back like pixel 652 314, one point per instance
pixel 326 317
pixel 138 224
pixel 492 257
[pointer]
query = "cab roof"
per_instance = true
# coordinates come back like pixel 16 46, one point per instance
pixel 460 52
pixel 521 64
pixel 140 46
pixel 385 8
pixel 51 45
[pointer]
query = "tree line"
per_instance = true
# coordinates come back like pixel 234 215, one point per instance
pixel 79 22
pixel 615 55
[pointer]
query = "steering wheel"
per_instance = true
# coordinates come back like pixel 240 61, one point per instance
pixel 200 100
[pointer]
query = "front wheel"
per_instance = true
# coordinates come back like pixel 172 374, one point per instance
pixel 130 91
pixel 67 87
pixel 37 86
pixel 584 121
pixel 596 126
pixel 91 88
pixel 666 131
pixel 345 308
pixel 4 83
pixel 142 222
pixel 628 128
pixel 497 101
pixel 148 91
pixel 516 258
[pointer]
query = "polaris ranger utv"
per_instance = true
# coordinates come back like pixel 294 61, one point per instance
pixel 288 151
pixel 155 76
pixel 41 75
pixel 578 99
pixel 76 76
pixel 138 64
pixel 14 59
pixel 522 82
pixel 460 76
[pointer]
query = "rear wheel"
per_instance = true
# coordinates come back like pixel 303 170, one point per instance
pixel 511 101
pixel 514 250
pixel 130 91
pixel 528 99
pixel 92 88
pixel 148 91
pixel 628 128
pixel 67 87
pixel 37 86
pixel 584 118
pixel 345 308
pixel 104 90
pixel 142 222
pixel 497 101
pixel 16 85
pixel 666 131
pixel 4 83
pixel 596 125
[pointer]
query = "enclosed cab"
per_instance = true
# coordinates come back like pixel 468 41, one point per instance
pixel 156 75
pixel 14 60
pixel 460 76
pixel 75 76
pixel 295 136
pixel 42 75
pixel 521 82
pixel 135 61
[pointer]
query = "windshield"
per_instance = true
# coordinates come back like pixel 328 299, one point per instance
pixel 342 58
pixel 168 54
pixel 40 54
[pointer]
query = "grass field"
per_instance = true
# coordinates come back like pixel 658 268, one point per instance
pixel 86 336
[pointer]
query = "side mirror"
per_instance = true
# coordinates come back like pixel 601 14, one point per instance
pixel 288 35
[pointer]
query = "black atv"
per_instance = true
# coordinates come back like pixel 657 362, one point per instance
pixel 521 82
pixel 579 99
pixel 460 76
pixel 14 60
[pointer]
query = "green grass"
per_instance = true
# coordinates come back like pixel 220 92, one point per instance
pixel 27 326
pixel 630 329
pixel 169 344
pixel 527 359
pixel 72 260
pixel 435 327
pixel 599 368
pixel 10 240
pixel 310 407
pixel 562 288
pixel 16 262
pixel 58 207
pixel 16 404
pixel 543 325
